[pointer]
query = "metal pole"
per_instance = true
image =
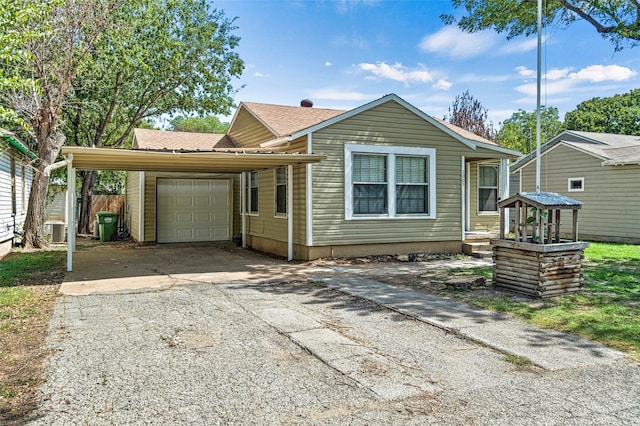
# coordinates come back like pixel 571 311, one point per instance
pixel 538 80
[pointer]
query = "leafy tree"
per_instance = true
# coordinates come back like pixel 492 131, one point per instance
pixel 616 20
pixel 618 114
pixel 519 131
pixel 208 124
pixel 468 113
pixel 49 41
pixel 160 57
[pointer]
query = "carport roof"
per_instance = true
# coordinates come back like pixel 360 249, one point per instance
pixel 219 161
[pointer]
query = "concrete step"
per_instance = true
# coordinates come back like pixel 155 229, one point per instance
pixel 471 248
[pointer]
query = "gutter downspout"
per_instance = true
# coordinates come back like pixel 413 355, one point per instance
pixel 54 166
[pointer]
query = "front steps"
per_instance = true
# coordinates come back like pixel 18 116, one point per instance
pixel 479 249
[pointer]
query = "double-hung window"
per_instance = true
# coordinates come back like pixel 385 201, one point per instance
pixel 389 182
pixel 281 191
pixel 369 184
pixel 252 193
pixel 487 188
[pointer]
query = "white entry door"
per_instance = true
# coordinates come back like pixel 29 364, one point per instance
pixel 192 210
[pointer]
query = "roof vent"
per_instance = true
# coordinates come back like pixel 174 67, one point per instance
pixel 307 103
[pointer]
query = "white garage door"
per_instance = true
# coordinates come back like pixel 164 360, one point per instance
pixel 192 210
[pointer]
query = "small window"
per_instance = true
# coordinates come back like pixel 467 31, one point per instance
pixel 576 184
pixel 281 191
pixel 252 195
pixel 24 189
pixel 487 189
pixel 14 189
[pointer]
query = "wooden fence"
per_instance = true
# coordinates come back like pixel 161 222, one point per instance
pixel 107 203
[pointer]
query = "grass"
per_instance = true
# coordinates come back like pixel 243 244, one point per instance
pixel 28 287
pixel 607 311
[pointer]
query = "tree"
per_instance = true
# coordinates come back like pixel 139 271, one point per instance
pixel 469 114
pixel 208 124
pixel 616 20
pixel 519 131
pixel 52 45
pixel 618 114
pixel 161 57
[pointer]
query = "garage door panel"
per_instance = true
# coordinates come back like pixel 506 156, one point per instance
pixel 192 210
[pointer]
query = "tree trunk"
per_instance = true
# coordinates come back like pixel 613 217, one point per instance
pixel 34 221
pixel 88 183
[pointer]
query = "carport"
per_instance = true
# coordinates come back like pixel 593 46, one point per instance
pixel 228 160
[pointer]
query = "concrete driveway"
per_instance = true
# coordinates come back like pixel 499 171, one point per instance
pixel 123 266
pixel 210 334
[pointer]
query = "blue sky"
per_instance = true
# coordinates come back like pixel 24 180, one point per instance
pixel 344 53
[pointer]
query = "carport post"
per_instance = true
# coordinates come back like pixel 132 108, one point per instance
pixel 71 219
pixel 290 212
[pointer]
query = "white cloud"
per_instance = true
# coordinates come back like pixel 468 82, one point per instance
pixel 396 72
pixel 454 43
pixel 443 84
pixel 557 74
pixel 479 78
pixel 260 75
pixel 344 6
pixel 525 72
pixel 599 73
pixel 327 64
pixel 521 46
pixel 338 94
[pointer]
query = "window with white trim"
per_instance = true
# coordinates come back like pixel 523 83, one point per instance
pixel 252 193
pixel 488 188
pixel 281 191
pixel 575 184
pixel 389 182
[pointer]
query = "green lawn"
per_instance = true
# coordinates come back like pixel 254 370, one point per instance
pixel 608 310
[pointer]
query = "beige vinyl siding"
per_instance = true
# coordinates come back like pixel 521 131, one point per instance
pixel 133 204
pixel 150 198
pixel 247 131
pixel 265 224
pixel 480 222
pixel 611 196
pixel 388 124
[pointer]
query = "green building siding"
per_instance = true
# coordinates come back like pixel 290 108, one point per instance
pixel 393 125
pixel 611 196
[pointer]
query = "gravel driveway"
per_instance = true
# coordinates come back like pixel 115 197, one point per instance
pixel 298 353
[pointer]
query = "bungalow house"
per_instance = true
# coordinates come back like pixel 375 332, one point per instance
pixel 598 169
pixel 16 175
pixel 383 178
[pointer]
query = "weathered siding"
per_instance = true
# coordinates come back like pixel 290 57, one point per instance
pixel 611 196
pixel 266 224
pixel 23 178
pixel 56 206
pixel 132 207
pixel 150 198
pixel 392 125
pixel 247 131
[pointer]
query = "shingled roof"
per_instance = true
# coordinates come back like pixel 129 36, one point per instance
pixel 179 141
pixel 612 149
pixel 285 120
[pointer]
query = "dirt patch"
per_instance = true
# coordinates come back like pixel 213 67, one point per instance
pixel 23 333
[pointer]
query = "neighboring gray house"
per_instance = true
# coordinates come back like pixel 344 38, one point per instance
pixel 16 175
pixel 599 169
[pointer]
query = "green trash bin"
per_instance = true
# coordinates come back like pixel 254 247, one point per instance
pixel 108 225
